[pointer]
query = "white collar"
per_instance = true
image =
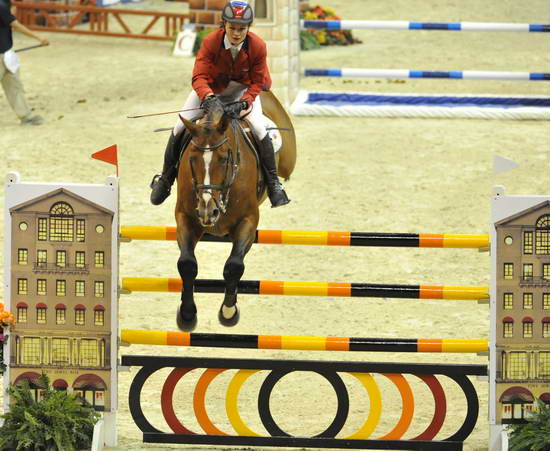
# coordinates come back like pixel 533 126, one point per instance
pixel 228 44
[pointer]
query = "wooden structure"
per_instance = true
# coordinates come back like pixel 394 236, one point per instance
pixel 44 16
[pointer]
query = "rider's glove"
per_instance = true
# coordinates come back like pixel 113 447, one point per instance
pixel 210 103
pixel 234 109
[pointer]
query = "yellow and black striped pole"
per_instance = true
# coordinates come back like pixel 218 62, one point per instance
pixel 331 289
pixel 304 343
pixel 323 238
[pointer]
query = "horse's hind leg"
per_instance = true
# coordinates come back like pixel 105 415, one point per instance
pixel 187 268
pixel 234 269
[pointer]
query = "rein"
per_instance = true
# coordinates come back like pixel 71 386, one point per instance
pixel 231 170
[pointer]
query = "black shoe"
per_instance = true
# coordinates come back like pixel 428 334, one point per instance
pixel 276 194
pixel 275 190
pixel 162 183
pixel 160 189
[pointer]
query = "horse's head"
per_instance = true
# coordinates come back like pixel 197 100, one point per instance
pixel 212 166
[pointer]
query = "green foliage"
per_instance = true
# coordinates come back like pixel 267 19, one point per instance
pixel 58 422
pixel 308 41
pixel 200 36
pixel 533 435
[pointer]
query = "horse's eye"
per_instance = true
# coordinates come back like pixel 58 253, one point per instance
pixel 223 159
pixel 192 159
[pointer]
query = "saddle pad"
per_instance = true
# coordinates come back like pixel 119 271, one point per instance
pixel 274 134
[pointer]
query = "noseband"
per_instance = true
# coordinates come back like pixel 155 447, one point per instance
pixel 231 169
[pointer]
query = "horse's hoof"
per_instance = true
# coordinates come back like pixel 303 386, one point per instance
pixel 186 325
pixel 229 322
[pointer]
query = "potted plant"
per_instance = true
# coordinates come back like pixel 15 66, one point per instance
pixel 59 421
pixel 534 435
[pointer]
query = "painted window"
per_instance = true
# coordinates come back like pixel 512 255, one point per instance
pixel 61 258
pixel 79 288
pixel 527 242
pixel 508 330
pixel 527 300
pixel 22 256
pixel 508 303
pixel 527 271
pixel 79 317
pixel 528 329
pixel 40 315
pixel 42 229
pixel 80 230
pixel 546 301
pixel 61 222
pixel 517 365
pixel 545 330
pixel 31 351
pixel 21 314
pixel 41 287
pixel 99 259
pixel 99 317
pixel 41 258
pixel 80 259
pixel 99 288
pixel 60 287
pixel 544 365
pixel 22 286
pixel 60 315
pixel 546 271
pixel 542 235
pixel 508 271
pixel 89 352
pixel 60 351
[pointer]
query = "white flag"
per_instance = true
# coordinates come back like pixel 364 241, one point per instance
pixel 502 164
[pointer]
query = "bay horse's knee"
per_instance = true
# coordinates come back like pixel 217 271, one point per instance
pixel 187 267
pixel 233 269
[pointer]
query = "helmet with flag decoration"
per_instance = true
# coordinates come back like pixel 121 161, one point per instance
pixel 238 11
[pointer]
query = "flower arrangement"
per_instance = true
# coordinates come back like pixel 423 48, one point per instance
pixel 6 319
pixel 315 38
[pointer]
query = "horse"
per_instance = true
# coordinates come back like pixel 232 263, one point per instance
pixel 219 191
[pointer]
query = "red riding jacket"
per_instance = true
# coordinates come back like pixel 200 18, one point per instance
pixel 214 67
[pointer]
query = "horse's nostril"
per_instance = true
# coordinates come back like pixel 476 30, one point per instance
pixel 215 212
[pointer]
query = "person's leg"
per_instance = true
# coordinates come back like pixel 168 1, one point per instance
pixel 162 183
pixel 13 88
pixel 275 190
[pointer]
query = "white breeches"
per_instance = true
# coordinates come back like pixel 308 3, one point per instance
pixel 232 93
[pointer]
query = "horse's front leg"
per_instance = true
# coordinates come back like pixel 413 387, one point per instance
pixel 243 237
pixel 187 236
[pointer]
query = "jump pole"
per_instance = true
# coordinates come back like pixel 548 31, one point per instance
pixel 323 238
pixel 304 343
pixel 408 73
pixel 331 289
pixel 337 25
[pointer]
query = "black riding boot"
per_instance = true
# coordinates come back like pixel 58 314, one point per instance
pixel 162 183
pixel 275 190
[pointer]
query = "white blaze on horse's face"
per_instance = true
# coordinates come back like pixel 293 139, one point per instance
pixel 207 208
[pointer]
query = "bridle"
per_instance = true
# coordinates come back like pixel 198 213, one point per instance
pixel 230 172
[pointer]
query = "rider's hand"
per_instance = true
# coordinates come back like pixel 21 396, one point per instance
pixel 234 110
pixel 210 102
pixel 44 41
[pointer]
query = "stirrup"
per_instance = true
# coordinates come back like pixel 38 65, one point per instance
pixel 277 196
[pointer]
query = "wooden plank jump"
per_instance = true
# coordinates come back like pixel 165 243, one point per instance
pixel 98 23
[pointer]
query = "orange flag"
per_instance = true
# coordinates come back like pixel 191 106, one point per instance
pixel 109 155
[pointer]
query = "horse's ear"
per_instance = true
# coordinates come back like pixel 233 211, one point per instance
pixel 223 123
pixel 190 125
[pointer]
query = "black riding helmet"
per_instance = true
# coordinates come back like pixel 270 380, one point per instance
pixel 238 11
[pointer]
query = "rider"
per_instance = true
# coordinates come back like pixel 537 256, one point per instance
pixel 230 67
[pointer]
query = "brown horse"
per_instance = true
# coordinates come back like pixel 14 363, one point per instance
pixel 218 194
